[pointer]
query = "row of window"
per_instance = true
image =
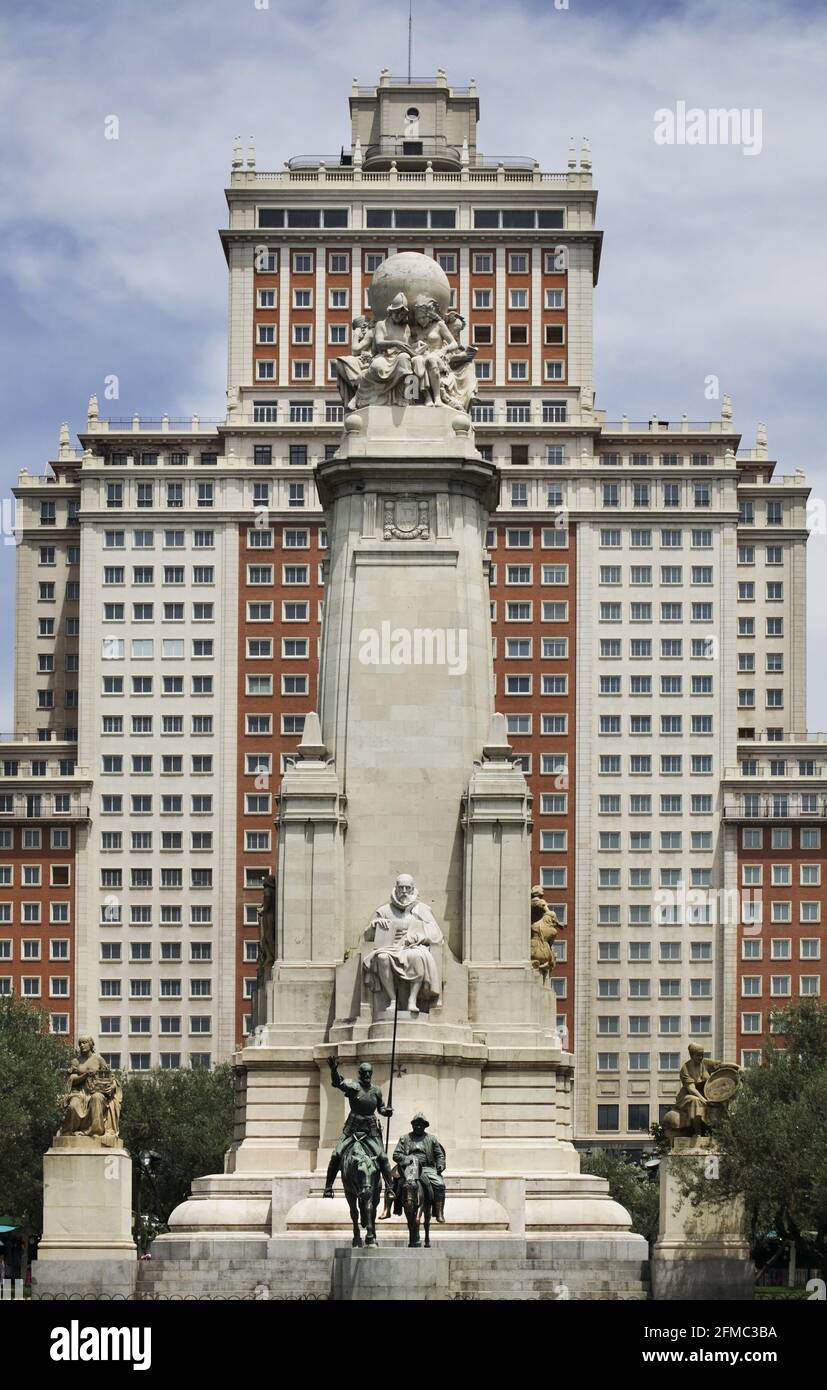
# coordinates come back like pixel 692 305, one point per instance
pixel 640 804
pixel 752 948
pixel 640 538
pixel 638 459
pixel 637 1118
pixel 168 1025
pixel 643 495
pixel 47 555
pixel 168 915
pixel 48 513
pixel 642 765
pixel 31 949
pixel 640 914
pixel 669 575
pixel 639 1061
pixel 641 951
pixel 172 612
pixel 200 951
pixel 642 841
pixel 752 986
pixel 31 987
pixel 519 369
pixel 638 878
pixel 38 767
pixel 642 612
pixel 752 913
pixel 31 875
pixel 409 218
pixel 142 1061
pixel 520 413
pixel 669 685
pixel 481 299
pixel 338 262
pixel 780 874
pixel 809 987
pixel 642 988
pixel 171 686
pixel 640 1025
pixel 781 837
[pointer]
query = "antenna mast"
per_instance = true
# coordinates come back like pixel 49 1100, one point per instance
pixel 410 36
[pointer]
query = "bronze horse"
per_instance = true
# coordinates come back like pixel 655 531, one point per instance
pixel 361 1181
pixel 416 1200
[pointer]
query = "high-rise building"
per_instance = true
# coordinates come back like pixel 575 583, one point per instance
pixel 648 616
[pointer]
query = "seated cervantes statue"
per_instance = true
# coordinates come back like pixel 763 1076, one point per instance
pixel 706 1087
pixel 402 964
pixel 93 1100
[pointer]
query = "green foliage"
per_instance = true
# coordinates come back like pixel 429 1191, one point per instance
pixel 660 1138
pixel 772 1140
pixel 788 1295
pixel 33 1063
pixel 629 1185
pixel 187 1118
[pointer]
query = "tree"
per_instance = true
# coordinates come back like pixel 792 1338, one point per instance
pixel 772 1139
pixel 629 1185
pixel 33 1063
pixel 186 1117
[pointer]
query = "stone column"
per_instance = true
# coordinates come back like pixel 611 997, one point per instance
pixel 406 676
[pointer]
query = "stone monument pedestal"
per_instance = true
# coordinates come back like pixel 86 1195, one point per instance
pixel 87 1242
pixel 701 1252
pixel 375 1275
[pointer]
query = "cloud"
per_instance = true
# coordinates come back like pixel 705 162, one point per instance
pixel 712 263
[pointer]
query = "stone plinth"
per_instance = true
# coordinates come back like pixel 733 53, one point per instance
pixel 701 1252
pixel 375 1275
pixel 87 1243
pixel 87 1201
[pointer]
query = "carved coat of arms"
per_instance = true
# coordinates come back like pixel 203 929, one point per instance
pixel 406 519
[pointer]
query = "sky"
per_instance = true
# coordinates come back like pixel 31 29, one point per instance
pixel 714 255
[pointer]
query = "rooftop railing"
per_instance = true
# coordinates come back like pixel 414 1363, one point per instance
pixel 795 806
pixel 42 806
pixel 770 737
pixel 763 770
pixel 35 736
pixel 494 170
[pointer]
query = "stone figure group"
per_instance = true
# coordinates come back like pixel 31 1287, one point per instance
pixel 412 356
pixel 92 1103
pixel 706 1086
pixel 415 1186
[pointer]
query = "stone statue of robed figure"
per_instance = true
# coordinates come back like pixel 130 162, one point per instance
pixel 403 966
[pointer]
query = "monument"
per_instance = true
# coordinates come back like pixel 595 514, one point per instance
pixel 406 778
pixel 87 1245
pixel 701 1252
